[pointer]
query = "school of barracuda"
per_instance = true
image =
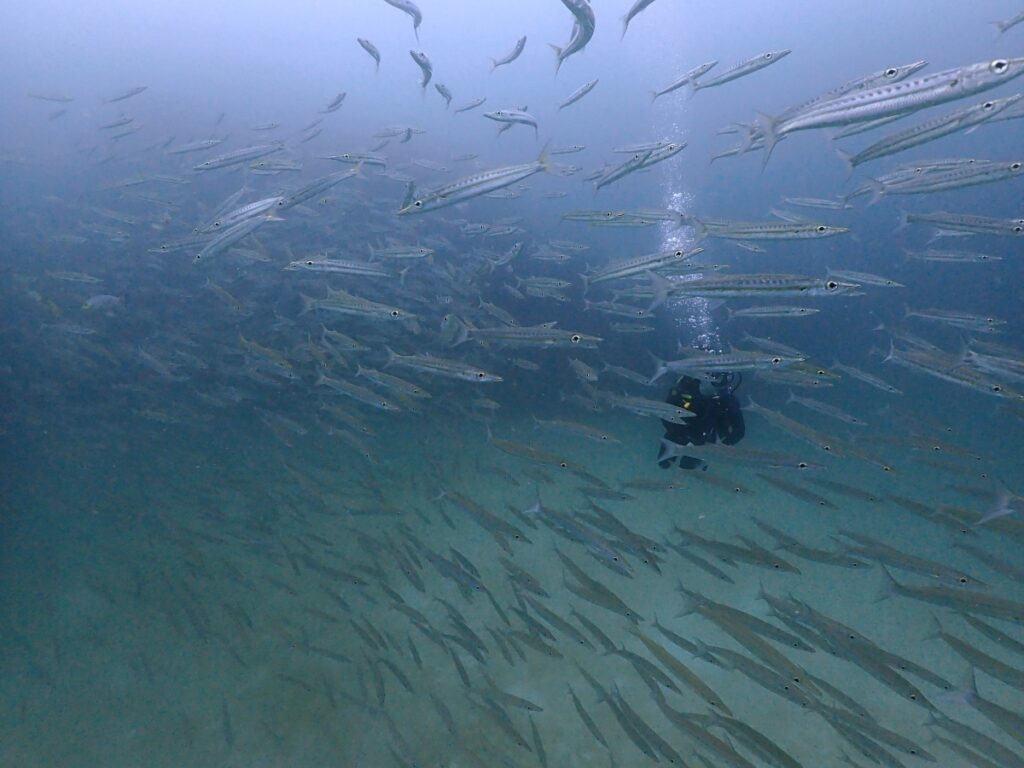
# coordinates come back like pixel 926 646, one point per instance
pixel 342 297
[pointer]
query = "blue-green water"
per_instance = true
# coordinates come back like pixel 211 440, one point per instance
pixel 212 556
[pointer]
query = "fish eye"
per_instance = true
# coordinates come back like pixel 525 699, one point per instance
pixel 988 105
pixel 679 254
pixel 831 285
pixel 768 55
pixel 309 263
pixel 383 403
pixel 999 66
pixel 395 313
pixel 996 388
pixel 563 464
pixel 418 204
pixel 802 465
pixel 891 72
pixel 822 228
pixel 575 338
pixel 776 360
pixel 479 374
pixel 1014 166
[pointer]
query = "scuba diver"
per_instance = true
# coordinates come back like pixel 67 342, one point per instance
pixel 718 417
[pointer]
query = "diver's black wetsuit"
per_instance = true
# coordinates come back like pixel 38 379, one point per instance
pixel 718 417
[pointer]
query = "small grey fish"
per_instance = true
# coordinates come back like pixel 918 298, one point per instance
pixel 423 63
pixel 471 105
pixel 578 94
pixel 445 94
pixel 638 6
pixel 510 117
pixel 371 49
pixel 510 57
pixel 743 68
pixel 688 77
pixel 582 31
pixel 335 104
pixel 126 94
pixel 409 7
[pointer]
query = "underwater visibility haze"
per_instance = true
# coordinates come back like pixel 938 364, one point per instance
pixel 544 383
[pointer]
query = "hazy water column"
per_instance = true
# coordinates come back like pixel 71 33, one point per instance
pixel 691 316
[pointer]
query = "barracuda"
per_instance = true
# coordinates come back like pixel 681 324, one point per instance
pixel 476 185
pixel 688 77
pixel 938 127
pixel 638 264
pixel 897 98
pixel 764 230
pixel 736 286
pixel 338 266
pixel 237 157
pixel 453 369
pixel 740 70
pixel 735 360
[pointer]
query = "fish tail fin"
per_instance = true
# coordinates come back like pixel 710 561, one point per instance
pixel 888 586
pixel 1002 505
pixel 660 369
pixel 691 89
pixel 660 286
pixel 703 652
pixel 877 189
pixel 308 303
pixel 904 222
pixel 625 28
pixel 891 354
pixel 558 56
pixel 935 628
pixel 544 158
pixel 654 96
pixel 967 692
pixel 461 332
pixel 768 126
pixel 847 158
pixel 669 449
pixel 391 355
